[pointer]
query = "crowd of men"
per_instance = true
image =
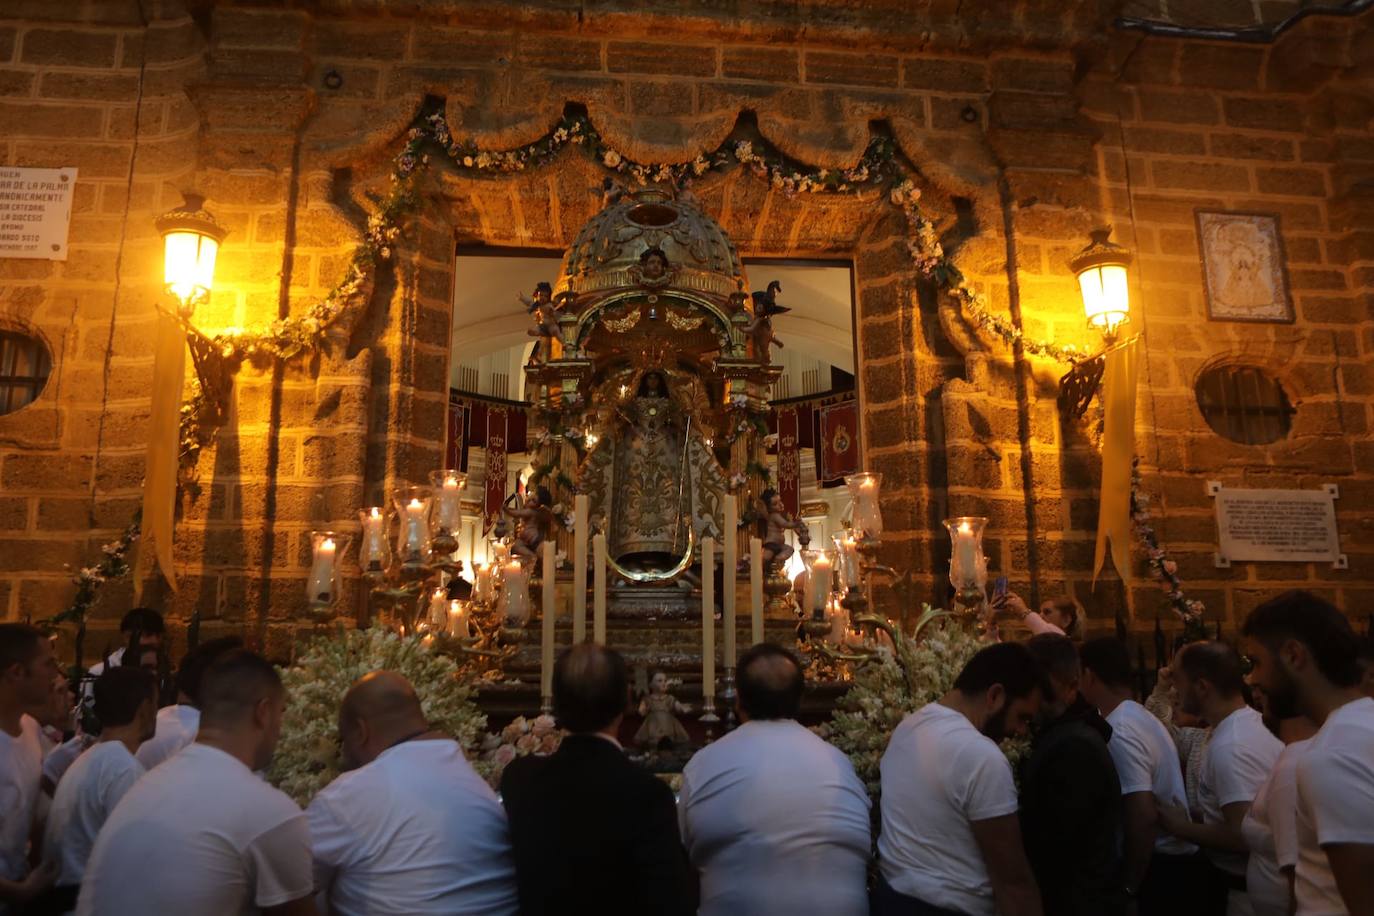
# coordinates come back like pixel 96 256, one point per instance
pixel 166 811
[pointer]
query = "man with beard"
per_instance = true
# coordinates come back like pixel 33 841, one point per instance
pixel 1239 758
pixel 1166 875
pixel 950 842
pixel 1070 795
pixel 1305 659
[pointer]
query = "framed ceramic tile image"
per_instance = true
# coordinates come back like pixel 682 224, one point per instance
pixel 1243 266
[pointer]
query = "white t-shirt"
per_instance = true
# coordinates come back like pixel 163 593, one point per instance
pixel 206 836
pixel 414 832
pixel 1237 761
pixel 21 770
pixel 87 795
pixel 60 758
pixel 939 774
pixel 1147 761
pixel 1271 831
pixel 758 849
pixel 1335 802
pixel 177 726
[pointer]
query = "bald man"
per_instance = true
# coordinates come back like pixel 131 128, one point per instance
pixel 758 849
pixel 411 828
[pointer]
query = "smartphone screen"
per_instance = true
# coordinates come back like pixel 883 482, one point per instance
pixel 999 588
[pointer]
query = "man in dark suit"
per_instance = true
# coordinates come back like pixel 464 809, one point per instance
pixel 592 832
pixel 1071 796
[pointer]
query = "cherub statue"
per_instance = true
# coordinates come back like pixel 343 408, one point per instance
pixel 532 522
pixel 660 724
pixel 545 316
pixel 761 327
pixel 610 191
pixel 653 269
pixel 775 547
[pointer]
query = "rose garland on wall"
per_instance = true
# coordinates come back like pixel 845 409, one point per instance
pixel 877 167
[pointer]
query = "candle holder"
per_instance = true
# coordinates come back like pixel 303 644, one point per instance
pixel 322 585
pixel 866 518
pixel 412 508
pixel 374 549
pixel 514 605
pixel 968 566
pixel 446 516
pixel 459 626
pixel 727 697
pixel 816 595
pixel 432 607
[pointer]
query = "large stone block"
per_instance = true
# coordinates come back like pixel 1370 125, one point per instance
pixel 647 57
pixel 1199 175
pixel 69 48
pixel 754 62
pixel 45 473
pixel 1178 106
pixel 850 69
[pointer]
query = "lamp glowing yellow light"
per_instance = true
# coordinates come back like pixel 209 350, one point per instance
pixel 1103 280
pixel 191 239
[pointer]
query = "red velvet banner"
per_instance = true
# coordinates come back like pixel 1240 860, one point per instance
pixel 495 446
pixel 789 460
pixel 839 445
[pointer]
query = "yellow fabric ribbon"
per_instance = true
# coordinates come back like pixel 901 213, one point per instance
pixel 1118 452
pixel 164 446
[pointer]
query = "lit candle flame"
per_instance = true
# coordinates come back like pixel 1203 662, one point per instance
pixel 375 513
pixel 415 504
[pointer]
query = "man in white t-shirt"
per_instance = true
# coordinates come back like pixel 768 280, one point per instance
pixel 141 624
pixel 201 833
pixel 413 830
pixel 177 725
pixel 1210 682
pixel 950 841
pixel 126 706
pixel 757 850
pixel 27 672
pixel 1164 874
pixel 1271 826
pixel 1305 660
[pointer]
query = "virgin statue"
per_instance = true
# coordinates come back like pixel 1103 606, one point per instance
pixel 651 489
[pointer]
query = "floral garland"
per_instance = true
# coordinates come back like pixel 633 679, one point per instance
pixel 307 756
pixel 1164 570
pixel 114 564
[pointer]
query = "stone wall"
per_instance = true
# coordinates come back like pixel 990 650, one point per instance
pixel 1036 119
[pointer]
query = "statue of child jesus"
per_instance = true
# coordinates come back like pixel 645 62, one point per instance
pixel 531 521
pixel 775 546
pixel 545 316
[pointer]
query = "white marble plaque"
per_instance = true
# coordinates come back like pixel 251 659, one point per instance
pixel 35 209
pixel 1269 526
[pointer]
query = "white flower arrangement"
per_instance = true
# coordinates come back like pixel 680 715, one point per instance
pixel 307 756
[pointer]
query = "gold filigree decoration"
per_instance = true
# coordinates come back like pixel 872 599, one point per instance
pixel 622 324
pixel 680 322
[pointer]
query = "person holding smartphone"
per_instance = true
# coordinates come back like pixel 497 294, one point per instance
pixel 1015 607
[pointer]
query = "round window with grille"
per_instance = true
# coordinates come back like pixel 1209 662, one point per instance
pixel 24 367
pixel 1244 404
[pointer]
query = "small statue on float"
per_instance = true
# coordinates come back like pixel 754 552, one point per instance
pixel 653 269
pixel 658 707
pixel 761 327
pixel 532 523
pixel 545 316
pixel 775 546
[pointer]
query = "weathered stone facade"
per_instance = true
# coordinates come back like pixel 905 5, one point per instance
pixel 1028 122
